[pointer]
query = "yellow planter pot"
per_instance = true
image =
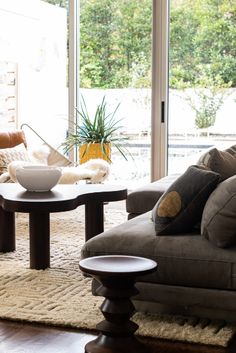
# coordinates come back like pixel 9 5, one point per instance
pixel 94 151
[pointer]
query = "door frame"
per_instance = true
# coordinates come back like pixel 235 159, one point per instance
pixel 159 105
pixel 74 67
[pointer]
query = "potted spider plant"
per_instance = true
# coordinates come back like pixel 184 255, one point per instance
pixel 95 135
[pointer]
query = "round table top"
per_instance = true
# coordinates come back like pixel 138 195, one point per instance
pixel 120 265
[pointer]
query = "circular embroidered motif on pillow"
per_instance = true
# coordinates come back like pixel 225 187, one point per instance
pixel 170 206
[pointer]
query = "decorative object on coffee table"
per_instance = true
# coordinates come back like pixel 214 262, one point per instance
pixel 38 178
pixel 117 275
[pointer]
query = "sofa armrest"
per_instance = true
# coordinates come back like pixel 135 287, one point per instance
pixel 143 199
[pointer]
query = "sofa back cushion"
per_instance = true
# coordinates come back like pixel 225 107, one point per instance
pixel 180 207
pixel 222 162
pixel 144 198
pixel 219 216
pixel 232 150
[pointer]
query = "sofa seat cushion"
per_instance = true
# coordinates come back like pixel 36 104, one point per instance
pixel 143 199
pixel 187 259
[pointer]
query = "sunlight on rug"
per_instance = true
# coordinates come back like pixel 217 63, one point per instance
pixel 61 296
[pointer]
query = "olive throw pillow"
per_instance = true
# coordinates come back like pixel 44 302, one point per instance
pixel 180 207
pixel 222 162
pixel 219 215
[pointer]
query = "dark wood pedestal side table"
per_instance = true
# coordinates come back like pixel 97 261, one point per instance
pixel 117 275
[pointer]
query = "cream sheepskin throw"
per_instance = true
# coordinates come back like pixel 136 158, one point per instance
pixel 95 170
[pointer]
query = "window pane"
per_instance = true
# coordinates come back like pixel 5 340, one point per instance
pixel 202 79
pixel 115 63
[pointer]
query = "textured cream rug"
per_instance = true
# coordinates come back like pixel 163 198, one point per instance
pixel 61 295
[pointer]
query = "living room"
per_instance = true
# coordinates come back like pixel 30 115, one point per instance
pixel 169 114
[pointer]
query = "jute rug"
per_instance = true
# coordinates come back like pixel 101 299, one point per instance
pixel 61 296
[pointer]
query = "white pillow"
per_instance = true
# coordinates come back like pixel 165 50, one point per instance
pixel 8 155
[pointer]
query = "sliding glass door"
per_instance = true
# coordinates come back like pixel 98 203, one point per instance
pixel 115 63
pixel 202 79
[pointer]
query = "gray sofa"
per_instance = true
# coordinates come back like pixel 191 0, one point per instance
pixel 194 276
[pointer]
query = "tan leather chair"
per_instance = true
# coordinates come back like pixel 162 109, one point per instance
pixel 10 139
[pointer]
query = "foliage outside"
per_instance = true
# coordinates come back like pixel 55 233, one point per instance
pixel 115 48
pixel 206 100
pixel 102 128
pixel 115 41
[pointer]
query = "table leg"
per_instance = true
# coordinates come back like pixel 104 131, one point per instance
pixel 94 219
pixel 7 231
pixel 39 240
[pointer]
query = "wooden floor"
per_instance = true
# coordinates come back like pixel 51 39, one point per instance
pixel 25 338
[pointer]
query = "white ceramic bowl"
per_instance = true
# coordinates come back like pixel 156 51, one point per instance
pixel 38 178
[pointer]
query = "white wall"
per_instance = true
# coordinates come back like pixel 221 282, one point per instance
pixel 33 34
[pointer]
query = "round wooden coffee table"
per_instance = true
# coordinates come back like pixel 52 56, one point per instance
pixel 117 275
